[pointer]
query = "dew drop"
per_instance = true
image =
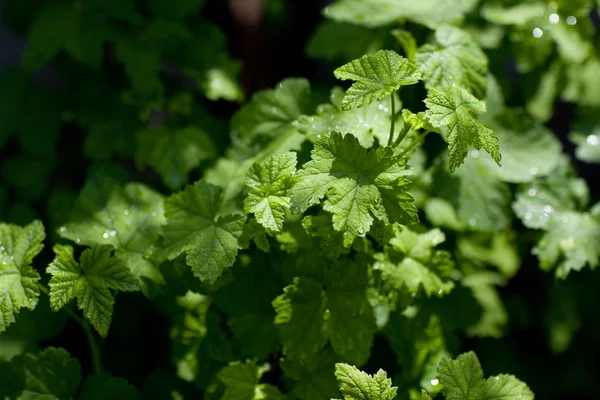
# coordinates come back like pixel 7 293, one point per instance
pixel 472 221
pixel 593 140
pixel 554 18
pixel 105 235
pixel 571 20
pixel 125 212
pixel 532 192
pixel 548 208
pixel 475 153
pixel 295 210
pixel 434 382
pixel 528 216
pixel 78 240
pixel 310 199
pixel 440 292
pixel 534 170
pixel 62 229
pixel 326 315
pixel 319 136
pixel 537 33
pixel 361 232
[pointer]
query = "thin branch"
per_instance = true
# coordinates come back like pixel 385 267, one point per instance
pixel 392 127
pixel 414 143
pixel 96 360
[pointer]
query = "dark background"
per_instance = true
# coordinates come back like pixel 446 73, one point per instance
pixel 275 50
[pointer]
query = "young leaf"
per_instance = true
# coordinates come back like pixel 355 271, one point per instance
pixel 173 153
pixel 461 378
pixel 421 264
pixel 128 218
pixel 89 281
pixel 269 182
pixel 377 76
pixel 360 184
pixel 18 279
pixel 454 59
pixel 49 374
pixel 503 386
pixel 357 385
pixel 196 226
pixel 366 123
pixel 454 111
pixel 241 383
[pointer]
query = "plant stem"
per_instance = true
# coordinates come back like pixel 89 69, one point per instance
pixel 392 127
pixel 403 133
pixel 414 143
pixel 96 360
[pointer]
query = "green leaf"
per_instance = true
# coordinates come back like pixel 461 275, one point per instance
pixel 314 377
pixel 454 111
pixel 89 281
pixel 142 66
pixel 419 345
pixel 377 76
pixel 571 242
pixel 360 185
pixel 310 315
pixel 81 34
pixel 270 182
pixel 241 383
pixel 357 385
pixel 18 279
pixel 99 387
pixel 372 13
pixel 420 264
pixel 50 374
pixel 480 199
pixel 268 116
pixel 366 123
pixel 407 41
pixel 300 312
pixel 454 59
pixel 461 378
pixel 196 226
pixel 220 81
pixel 528 148
pixel 547 197
pixel 127 217
pixel 173 153
pixel 494 316
pixel 503 386
pixel 587 139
